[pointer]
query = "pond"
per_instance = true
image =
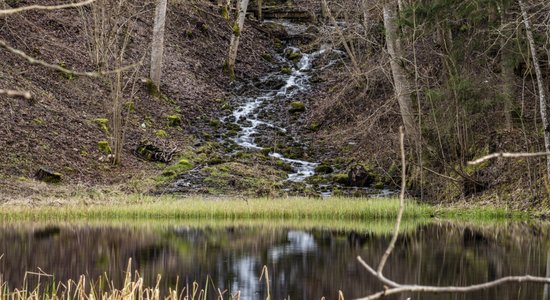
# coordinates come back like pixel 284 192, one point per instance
pixel 303 263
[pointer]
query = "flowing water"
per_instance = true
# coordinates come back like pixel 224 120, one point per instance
pixel 248 115
pixel 302 263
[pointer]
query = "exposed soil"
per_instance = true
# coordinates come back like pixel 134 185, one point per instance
pixel 56 129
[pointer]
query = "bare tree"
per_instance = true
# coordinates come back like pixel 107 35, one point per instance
pixel 158 42
pixel 242 6
pixel 540 83
pixel 392 288
pixel 402 86
pixel 110 28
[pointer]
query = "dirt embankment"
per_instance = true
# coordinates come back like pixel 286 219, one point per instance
pixel 58 127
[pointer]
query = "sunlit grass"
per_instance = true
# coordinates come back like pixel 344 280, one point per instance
pixel 333 209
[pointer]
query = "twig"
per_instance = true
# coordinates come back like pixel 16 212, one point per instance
pixel 11 11
pixel 13 93
pixel 34 61
pixel 507 155
pixel 401 204
pixel 392 287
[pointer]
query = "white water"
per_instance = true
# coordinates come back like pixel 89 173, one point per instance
pixel 296 82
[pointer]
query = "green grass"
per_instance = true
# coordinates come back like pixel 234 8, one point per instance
pixel 167 207
pixel 334 209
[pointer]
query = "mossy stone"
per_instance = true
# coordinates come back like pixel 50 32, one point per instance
pixel 215 122
pixel 286 70
pixel 103 124
pixel 324 169
pixel 294 56
pixel 174 120
pixel 48 176
pixel 104 147
pixel 161 133
pixel 340 178
pixel 297 107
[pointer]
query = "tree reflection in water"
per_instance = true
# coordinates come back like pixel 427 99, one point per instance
pixel 303 264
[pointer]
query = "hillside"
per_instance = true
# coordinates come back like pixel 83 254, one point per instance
pixel 313 108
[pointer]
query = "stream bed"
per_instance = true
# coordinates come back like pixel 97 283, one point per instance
pixel 303 263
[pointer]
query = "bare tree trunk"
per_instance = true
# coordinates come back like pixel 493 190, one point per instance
pixel 507 71
pixel 117 119
pixel 324 10
pixel 540 84
pixel 402 85
pixel 259 3
pixel 242 6
pixel 158 42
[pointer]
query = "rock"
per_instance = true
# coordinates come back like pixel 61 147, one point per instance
pixel 174 120
pixel 48 176
pixel 361 177
pixel 297 107
pixel 277 30
pixel 324 169
pixel 150 152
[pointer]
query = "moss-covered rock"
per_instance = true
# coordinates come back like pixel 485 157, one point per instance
pixel 340 178
pixel 48 176
pixel 174 120
pixel 324 169
pixel 215 123
pixel 104 147
pixel 286 70
pixel 103 124
pixel 297 107
pixel 161 133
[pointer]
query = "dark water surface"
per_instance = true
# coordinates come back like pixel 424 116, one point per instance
pixel 303 264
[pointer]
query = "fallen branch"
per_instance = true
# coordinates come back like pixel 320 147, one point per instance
pixel 392 287
pixel 11 11
pixel 12 93
pixel 507 155
pixel 34 61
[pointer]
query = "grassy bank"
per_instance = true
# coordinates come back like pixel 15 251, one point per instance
pixel 173 208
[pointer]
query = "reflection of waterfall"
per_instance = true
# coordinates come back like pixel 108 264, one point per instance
pixel 300 243
pixel 247 281
pixel 247 268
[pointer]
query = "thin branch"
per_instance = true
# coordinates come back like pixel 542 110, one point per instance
pixel 399 288
pixel 401 204
pixel 392 287
pixel 4 12
pixel 13 93
pixel 507 155
pixel 34 61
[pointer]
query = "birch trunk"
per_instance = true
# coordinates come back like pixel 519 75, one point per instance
pixel 402 86
pixel 260 8
pixel 242 6
pixel 540 84
pixel 158 42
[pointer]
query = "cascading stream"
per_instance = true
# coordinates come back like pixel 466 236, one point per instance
pixel 298 81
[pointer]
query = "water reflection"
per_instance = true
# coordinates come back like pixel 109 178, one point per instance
pixel 303 264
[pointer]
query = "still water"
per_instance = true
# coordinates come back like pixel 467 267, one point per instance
pixel 302 263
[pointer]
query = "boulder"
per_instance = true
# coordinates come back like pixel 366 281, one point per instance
pixel 360 177
pixel 49 176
